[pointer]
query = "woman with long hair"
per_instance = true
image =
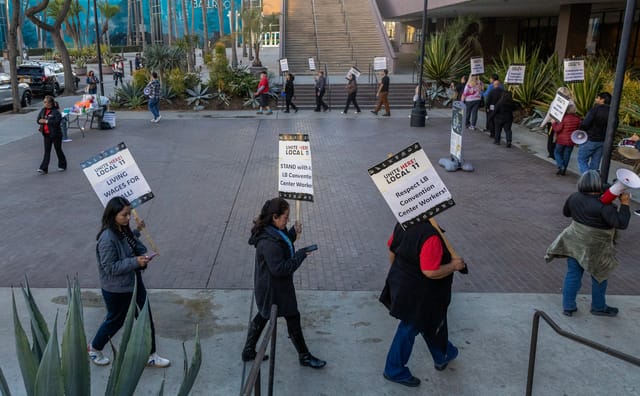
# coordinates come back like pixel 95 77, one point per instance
pixel 276 261
pixel 121 260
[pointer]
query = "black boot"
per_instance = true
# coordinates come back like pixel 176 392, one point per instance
pixel 304 356
pixel 249 351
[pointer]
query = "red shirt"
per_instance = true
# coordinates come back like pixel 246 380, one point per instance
pixel 430 253
pixel 45 128
pixel 263 86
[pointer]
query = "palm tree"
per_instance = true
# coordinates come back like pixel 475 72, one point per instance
pixel 205 28
pixel 252 25
pixel 107 11
pixel 220 18
pixel 56 33
pixel 233 27
pixel 71 28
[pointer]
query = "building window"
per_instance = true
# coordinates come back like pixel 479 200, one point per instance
pixel 409 34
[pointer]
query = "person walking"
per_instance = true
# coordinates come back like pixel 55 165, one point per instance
pixel 471 97
pixel 92 83
pixel 118 70
pixel 352 91
pixel 595 124
pixel 418 292
pixel 153 91
pixel 491 100
pixel 564 145
pixel 263 94
pixel 503 118
pixel 289 91
pixel 121 260
pixel 383 95
pixel 138 62
pixel 588 243
pixel 275 263
pixel 320 88
pixel 49 120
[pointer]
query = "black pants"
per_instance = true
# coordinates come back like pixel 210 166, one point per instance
pixel 351 98
pixel 57 144
pixel 288 99
pixel 117 76
pixel 500 124
pixel 293 328
pixel 490 125
pixel 319 102
pixel 117 307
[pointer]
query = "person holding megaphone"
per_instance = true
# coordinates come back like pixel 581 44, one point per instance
pixel 588 242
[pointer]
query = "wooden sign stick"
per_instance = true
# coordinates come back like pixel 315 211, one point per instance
pixel 145 232
pixel 435 225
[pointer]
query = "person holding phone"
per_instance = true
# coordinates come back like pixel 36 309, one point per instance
pixel 276 261
pixel 121 260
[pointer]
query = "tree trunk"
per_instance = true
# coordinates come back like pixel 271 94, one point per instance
pixel 129 22
pixel 185 35
pixel 221 18
pixel 205 28
pixel 234 37
pixel 169 20
pixel 12 43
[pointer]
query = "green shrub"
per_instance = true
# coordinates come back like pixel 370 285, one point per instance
pixel 176 81
pixel 141 78
pixel 627 113
pixel 444 59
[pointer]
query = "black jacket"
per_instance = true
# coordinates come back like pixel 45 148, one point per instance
pixel 273 278
pixel 588 210
pixel 595 122
pixel 288 88
pixel 53 122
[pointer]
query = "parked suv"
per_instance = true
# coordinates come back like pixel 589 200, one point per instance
pixel 6 97
pixel 44 78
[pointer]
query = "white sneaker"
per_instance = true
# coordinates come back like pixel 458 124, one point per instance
pixel 158 119
pixel 153 120
pixel 97 357
pixel 157 361
pixel 67 140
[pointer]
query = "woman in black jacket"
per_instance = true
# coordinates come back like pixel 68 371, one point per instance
pixel 49 120
pixel 288 92
pixel 276 261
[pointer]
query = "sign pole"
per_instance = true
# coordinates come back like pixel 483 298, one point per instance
pixel 144 231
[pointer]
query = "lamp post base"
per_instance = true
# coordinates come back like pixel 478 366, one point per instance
pixel 418 115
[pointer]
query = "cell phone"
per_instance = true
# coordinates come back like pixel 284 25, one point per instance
pixel 152 255
pixel 310 248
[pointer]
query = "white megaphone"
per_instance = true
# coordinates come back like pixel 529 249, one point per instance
pixel 579 136
pixel 626 179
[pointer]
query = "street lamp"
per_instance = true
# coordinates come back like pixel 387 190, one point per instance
pixel 95 17
pixel 419 112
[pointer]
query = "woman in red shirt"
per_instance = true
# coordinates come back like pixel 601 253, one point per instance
pixel 564 145
pixel 263 93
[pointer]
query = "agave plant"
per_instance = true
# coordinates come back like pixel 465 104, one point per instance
pixel 252 100
pixel 444 59
pixel 168 94
pixel 130 95
pixel 48 369
pixel 539 74
pixel 198 96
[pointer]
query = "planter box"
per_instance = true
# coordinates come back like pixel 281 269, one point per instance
pixel 80 71
pixel 106 70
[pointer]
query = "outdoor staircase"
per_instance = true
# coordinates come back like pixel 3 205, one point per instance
pixel 347 35
pixel 400 96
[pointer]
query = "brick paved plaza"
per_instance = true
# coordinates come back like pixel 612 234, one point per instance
pixel 211 175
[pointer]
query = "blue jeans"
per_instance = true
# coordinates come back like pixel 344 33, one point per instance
pixel 589 156
pixel 153 107
pixel 117 307
pixel 472 112
pixel 401 347
pixel 572 283
pixel 562 155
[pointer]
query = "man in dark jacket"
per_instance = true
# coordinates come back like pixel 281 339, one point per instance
pixel 49 120
pixel 491 98
pixel 595 124
pixel 320 88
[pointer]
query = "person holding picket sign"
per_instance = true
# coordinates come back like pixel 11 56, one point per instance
pixel 276 261
pixel 121 260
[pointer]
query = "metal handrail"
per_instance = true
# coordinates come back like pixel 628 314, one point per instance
pixel 584 341
pixel 252 385
pixel 345 18
pixel 315 29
